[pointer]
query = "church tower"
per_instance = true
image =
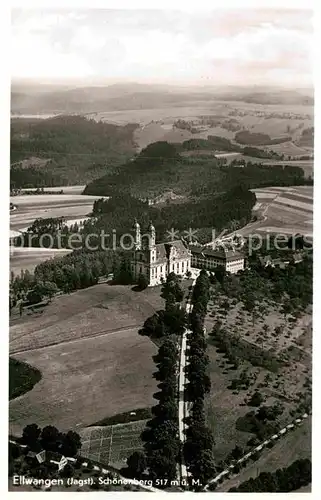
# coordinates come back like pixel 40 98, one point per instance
pixel 152 242
pixel 138 238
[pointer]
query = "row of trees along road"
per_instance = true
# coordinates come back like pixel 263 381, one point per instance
pixel 297 475
pixel 198 448
pixel 161 438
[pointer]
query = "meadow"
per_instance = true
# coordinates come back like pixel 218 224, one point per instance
pixel 28 258
pixel 71 205
pixel 31 207
pixel 92 360
pixel 156 124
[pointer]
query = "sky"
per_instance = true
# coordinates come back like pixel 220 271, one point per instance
pixel 234 47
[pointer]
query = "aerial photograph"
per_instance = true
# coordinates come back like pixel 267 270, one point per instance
pixel 161 250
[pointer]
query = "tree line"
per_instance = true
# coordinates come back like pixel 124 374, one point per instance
pixel 77 270
pixel 258 139
pixel 210 213
pixel 198 448
pixel 161 439
pixel 284 480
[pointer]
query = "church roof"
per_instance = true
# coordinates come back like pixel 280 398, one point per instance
pixel 218 253
pixel 163 251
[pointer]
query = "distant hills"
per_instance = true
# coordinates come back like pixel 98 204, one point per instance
pixel 30 99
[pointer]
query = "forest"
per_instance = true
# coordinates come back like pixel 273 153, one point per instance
pixel 96 148
pixel 159 168
pixel 258 139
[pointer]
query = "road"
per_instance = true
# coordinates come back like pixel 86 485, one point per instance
pixel 183 406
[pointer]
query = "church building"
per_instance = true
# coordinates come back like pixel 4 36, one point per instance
pixel 156 261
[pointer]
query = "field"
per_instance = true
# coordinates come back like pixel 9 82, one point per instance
pixel 282 210
pixel 28 258
pixel 71 205
pixel 293 446
pixel 112 444
pixel 31 207
pixel 93 362
pixel 288 148
pixel 156 124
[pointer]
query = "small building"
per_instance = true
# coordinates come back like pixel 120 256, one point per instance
pixel 297 258
pixel 204 257
pixel 280 263
pixel 266 260
pixel 157 261
pixel 49 458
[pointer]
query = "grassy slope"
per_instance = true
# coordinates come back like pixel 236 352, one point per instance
pixel 85 379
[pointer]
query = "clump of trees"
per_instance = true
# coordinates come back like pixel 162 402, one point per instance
pixel 236 348
pixel 293 282
pixel 258 139
pixel 142 282
pixel 77 270
pixel 171 320
pixel 298 474
pixel 22 377
pixel 264 422
pixel 51 439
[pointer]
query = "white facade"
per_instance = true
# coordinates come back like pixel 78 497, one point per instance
pixel 156 261
pixel 205 258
